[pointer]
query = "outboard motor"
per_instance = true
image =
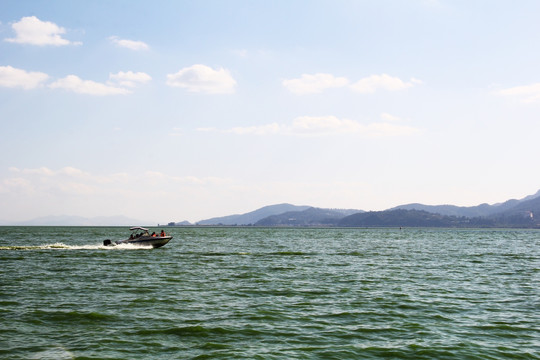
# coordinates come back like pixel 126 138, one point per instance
pixel 107 242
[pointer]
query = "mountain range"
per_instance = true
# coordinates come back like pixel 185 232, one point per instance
pixel 481 210
pixel 512 213
pixel 253 216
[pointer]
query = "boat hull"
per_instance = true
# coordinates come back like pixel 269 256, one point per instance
pixel 153 241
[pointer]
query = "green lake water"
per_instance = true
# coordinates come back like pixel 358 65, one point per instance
pixel 265 293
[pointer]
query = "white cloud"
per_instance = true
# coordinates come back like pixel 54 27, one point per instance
pixel 240 53
pixel 310 126
pixel 207 129
pixel 43 191
pixel 310 84
pixel 130 78
pixel 130 44
pixel 389 117
pixel 31 30
pixel 386 82
pixel 12 77
pixel 43 178
pixel 118 84
pixel 316 83
pixel 44 181
pixel 201 78
pixel 39 171
pixel 88 87
pixel 526 93
pixel 322 125
pixel 176 131
pixel 269 129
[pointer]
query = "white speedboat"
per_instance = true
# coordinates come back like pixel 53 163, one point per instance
pixel 141 237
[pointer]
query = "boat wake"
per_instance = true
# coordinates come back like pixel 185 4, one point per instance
pixel 61 246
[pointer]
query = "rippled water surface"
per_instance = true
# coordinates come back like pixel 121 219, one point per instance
pixel 254 293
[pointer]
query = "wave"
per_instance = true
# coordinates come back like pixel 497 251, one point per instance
pixel 48 316
pixel 201 331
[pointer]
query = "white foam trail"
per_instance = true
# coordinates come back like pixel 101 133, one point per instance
pixel 126 247
pixel 62 246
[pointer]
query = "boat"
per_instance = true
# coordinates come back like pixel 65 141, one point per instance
pixel 141 237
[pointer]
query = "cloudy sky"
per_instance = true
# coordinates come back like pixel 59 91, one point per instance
pixel 185 110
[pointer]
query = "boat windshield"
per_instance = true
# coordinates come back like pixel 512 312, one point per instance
pixel 138 231
pixel 138 228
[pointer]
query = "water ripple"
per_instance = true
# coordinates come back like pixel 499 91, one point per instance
pixel 271 294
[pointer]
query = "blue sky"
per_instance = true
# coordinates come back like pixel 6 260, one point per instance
pixel 185 110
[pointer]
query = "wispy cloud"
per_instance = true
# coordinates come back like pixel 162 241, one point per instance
pixel 312 126
pixel 385 82
pixel 119 84
pixel 242 53
pixel 13 78
pixel 176 131
pixel 30 182
pixel 74 181
pixel 129 44
pixel 130 78
pixel 31 30
pixel 526 93
pixel 75 84
pixel 317 83
pixel 79 192
pixel 389 117
pixel 311 84
pixel 204 79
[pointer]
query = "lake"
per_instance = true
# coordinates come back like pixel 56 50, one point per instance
pixel 270 293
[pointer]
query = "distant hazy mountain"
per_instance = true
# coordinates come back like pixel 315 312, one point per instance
pixel 309 217
pixel 398 218
pixel 64 220
pixel 482 210
pixel 182 223
pixel 524 213
pixel 252 217
pixel 512 213
pixel 528 205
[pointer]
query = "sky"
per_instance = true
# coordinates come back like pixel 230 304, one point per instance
pixel 186 110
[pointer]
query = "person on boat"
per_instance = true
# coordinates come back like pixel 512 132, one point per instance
pixel 162 233
pixel 154 234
